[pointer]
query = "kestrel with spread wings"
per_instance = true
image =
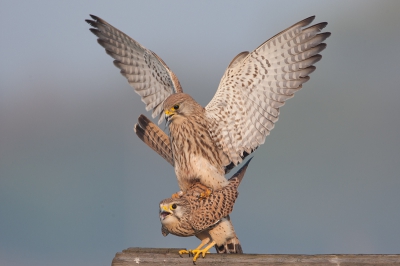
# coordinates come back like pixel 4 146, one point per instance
pixel 207 141
pixel 207 219
pixel 204 143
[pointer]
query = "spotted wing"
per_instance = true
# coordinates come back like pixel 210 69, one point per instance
pixel 246 105
pixel 146 72
pixel 207 212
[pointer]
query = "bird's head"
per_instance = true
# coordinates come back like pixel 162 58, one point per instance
pixel 173 213
pixel 178 106
pixel 172 210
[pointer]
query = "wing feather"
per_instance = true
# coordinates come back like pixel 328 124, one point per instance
pixel 208 212
pixel 154 137
pixel 145 71
pixel 246 105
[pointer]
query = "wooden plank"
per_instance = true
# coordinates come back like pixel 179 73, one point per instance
pixel 170 256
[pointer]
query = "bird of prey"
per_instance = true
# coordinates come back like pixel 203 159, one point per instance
pixel 204 143
pixel 207 141
pixel 207 219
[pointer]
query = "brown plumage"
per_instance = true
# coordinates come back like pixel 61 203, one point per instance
pixel 155 138
pixel 196 156
pixel 246 105
pixel 207 219
pixel 207 142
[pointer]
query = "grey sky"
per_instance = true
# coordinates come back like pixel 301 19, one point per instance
pixel 77 186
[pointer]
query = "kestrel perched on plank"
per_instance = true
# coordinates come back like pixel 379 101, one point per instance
pixel 204 143
pixel 207 219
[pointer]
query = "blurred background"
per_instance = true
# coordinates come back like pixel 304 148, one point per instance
pixel 77 185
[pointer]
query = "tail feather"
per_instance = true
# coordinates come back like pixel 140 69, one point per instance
pixel 231 246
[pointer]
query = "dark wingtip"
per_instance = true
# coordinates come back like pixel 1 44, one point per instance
pixel 143 121
pixel 94 17
pixel 94 31
pixel 136 127
pixel 319 26
pixel 323 24
pixel 327 34
pixel 307 20
pixel 139 132
pixel 88 21
pixel 91 22
pixel 96 20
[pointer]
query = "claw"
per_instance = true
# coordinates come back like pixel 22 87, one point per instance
pixel 205 194
pixel 197 253
pixel 177 195
pixel 203 252
pixel 184 251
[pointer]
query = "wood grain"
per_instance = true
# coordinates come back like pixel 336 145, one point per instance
pixel 170 256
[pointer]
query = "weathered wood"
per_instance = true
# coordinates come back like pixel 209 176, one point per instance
pixel 170 256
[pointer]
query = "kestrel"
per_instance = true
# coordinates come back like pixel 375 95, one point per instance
pixel 207 141
pixel 204 143
pixel 156 139
pixel 207 219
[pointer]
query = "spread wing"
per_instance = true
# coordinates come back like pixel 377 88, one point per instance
pixel 154 137
pixel 146 72
pixel 246 105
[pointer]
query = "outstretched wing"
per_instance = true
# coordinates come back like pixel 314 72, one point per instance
pixel 146 72
pixel 246 105
pixel 154 137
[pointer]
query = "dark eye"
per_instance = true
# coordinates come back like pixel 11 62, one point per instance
pixel 173 206
pixel 176 107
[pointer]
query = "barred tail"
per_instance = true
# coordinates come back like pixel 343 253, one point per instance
pixel 231 246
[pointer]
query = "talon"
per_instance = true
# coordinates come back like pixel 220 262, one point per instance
pixel 177 195
pixel 184 251
pixel 195 257
pixel 203 251
pixel 205 194
pixel 197 253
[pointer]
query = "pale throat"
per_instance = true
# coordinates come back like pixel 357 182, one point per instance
pixel 177 119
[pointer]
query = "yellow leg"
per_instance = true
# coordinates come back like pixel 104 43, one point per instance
pixel 184 251
pixel 190 251
pixel 203 252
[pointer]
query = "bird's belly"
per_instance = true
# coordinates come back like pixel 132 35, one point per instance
pixel 222 232
pixel 199 168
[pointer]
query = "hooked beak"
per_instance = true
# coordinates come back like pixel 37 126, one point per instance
pixel 164 212
pixel 168 115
